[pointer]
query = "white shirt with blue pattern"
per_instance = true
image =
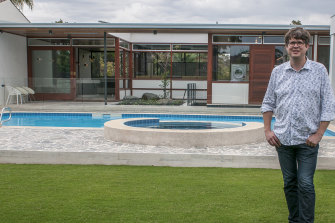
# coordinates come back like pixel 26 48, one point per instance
pixel 300 100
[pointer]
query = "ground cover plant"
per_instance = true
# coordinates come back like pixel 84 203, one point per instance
pixel 75 193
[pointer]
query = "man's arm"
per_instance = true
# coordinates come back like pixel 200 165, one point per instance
pixel 315 138
pixel 269 134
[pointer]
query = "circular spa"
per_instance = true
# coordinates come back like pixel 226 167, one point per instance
pixel 198 132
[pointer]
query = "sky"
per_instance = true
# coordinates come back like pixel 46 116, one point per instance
pixel 309 12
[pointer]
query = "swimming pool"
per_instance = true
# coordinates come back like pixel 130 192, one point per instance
pixel 97 120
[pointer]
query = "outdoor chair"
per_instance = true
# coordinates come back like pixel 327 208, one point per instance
pixel 23 92
pixel 31 93
pixel 13 92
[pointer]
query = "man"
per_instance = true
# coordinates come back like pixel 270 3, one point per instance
pixel 300 95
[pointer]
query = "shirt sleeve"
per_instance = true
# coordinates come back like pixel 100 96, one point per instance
pixel 269 101
pixel 327 98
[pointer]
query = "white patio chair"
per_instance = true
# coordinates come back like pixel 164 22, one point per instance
pixel 13 92
pixel 31 93
pixel 23 92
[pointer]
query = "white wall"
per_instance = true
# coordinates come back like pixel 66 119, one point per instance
pixel 230 93
pixel 332 52
pixel 13 62
pixel 164 37
pixel 9 13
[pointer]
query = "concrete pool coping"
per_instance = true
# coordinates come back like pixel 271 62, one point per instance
pixel 117 130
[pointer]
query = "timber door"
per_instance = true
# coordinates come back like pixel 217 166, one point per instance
pixel 262 61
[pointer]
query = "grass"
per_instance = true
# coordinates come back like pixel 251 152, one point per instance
pixel 74 193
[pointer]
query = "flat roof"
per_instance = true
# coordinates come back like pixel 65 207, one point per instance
pixel 97 29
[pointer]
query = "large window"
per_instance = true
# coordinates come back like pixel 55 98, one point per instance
pixel 189 65
pixel 151 64
pixel 324 50
pixel 51 71
pixel 98 65
pixel 231 63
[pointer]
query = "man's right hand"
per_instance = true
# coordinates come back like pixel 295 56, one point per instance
pixel 272 138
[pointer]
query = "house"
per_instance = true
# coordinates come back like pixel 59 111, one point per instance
pixel 229 63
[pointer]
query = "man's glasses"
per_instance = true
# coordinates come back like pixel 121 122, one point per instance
pixel 298 43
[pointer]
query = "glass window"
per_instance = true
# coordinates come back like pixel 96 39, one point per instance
pixel 51 71
pixel 124 44
pixel 281 55
pixel 151 64
pixel 98 65
pixel 323 55
pixel 324 40
pixel 237 39
pixel 189 65
pixel 190 47
pixel 48 42
pixel 151 47
pixel 274 40
pixel 93 42
pixel 231 63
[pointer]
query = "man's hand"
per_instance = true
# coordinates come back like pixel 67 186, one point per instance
pixel 314 139
pixel 272 138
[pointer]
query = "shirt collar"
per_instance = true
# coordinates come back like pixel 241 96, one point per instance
pixel 306 66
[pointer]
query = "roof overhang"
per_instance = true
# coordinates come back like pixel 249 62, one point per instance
pixel 59 30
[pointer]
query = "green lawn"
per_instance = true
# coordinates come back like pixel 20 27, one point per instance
pixel 74 193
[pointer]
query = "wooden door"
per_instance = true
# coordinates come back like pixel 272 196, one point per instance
pixel 262 59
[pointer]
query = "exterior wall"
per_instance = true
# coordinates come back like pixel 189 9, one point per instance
pixel 13 63
pixel 9 13
pixel 152 86
pixel 332 52
pixel 230 93
pixel 163 37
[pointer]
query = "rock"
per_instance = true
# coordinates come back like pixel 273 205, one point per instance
pixel 150 96
pixel 131 98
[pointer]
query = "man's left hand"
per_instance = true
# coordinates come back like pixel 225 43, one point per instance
pixel 313 140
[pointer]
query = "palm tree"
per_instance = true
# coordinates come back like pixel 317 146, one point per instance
pixel 21 3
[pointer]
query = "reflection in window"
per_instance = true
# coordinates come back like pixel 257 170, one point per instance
pixel 98 65
pixel 281 55
pixel 231 63
pixel 323 55
pixel 51 71
pixel 189 65
pixel 237 39
pixel 151 64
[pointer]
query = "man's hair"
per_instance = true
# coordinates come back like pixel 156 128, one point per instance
pixel 297 33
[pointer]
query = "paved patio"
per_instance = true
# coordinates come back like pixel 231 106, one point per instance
pixel 88 145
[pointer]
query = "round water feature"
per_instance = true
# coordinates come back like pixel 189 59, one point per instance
pixel 183 125
pixel 150 131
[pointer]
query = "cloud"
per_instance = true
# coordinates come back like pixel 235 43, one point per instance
pixel 310 12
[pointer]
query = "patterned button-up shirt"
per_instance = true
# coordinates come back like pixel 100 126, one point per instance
pixel 299 100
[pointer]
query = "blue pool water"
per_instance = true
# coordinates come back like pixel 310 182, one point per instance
pixel 98 120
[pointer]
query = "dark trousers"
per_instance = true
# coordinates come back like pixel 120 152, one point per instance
pixel 298 165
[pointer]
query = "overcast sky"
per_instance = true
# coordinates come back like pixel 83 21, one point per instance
pixel 309 12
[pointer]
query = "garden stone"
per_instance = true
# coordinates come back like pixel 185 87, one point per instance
pixel 150 96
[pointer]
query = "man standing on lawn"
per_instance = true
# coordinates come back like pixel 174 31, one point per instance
pixel 300 95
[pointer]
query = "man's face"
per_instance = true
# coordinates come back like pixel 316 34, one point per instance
pixel 297 48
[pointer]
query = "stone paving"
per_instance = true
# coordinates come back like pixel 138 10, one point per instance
pixel 92 140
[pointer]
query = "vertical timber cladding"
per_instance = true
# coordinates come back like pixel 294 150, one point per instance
pixel 262 60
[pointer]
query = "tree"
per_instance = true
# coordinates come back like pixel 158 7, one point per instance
pixel 163 62
pixel 296 22
pixel 21 3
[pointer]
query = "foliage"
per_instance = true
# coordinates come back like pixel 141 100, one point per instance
pixel 296 22
pixel 151 102
pixel 79 193
pixel 21 3
pixel 60 21
pixel 163 61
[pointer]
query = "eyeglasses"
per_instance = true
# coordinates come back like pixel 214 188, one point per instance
pixel 293 43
